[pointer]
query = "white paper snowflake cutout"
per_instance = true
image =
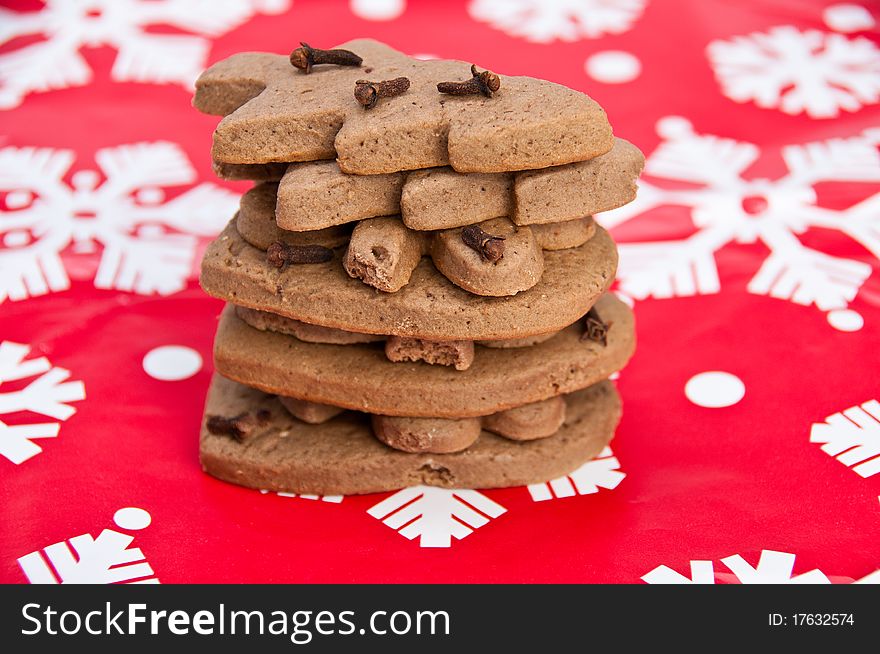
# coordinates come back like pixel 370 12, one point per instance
pixel 107 559
pixel 49 394
pixel 601 472
pixel 853 437
pixel 149 244
pixel 773 568
pixel 436 515
pixel 815 72
pixel 726 207
pixel 55 62
pixel 543 21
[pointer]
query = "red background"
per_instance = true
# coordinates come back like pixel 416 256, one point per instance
pixel 701 483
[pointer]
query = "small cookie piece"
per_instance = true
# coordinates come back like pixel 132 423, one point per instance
pixel 459 354
pixel 436 435
pixel 519 269
pixel 309 412
pixel 256 225
pixel 274 115
pixel 265 172
pixel 569 192
pixel 561 236
pixel 440 198
pixel 528 422
pixel 317 195
pixel 360 377
pixel 383 252
pixel 303 331
pixel 429 307
pixel 342 457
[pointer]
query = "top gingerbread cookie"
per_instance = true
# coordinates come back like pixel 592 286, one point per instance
pixel 274 112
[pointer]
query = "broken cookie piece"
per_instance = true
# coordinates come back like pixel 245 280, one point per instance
pixel 436 435
pixel 459 354
pixel 528 422
pixel 310 412
pixel 517 270
pixel 383 252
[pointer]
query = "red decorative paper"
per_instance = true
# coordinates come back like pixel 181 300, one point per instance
pixel 750 444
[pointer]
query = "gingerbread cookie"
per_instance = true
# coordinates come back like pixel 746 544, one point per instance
pixel 459 354
pixel 274 113
pixel 524 423
pixel 498 379
pixel 429 307
pixel 383 252
pixel 341 456
pixel 318 195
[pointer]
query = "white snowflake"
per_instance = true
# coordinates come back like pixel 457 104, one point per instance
pixel 148 244
pixel 853 436
pixel 815 72
pixel 66 26
pixel 436 515
pixel 725 207
pixel 48 395
pixel 543 21
pixel 601 472
pixel 871 578
pixel 773 568
pixel 332 499
pixel 107 559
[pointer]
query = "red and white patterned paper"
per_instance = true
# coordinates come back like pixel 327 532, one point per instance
pixel 750 444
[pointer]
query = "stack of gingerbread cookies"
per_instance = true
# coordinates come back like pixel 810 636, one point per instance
pixel 416 289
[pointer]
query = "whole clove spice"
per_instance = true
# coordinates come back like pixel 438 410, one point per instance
pixel 595 329
pixel 490 247
pixel 306 56
pixel 486 83
pixel 281 254
pixel 368 93
pixel 238 427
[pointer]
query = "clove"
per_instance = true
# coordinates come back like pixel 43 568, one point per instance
pixel 306 56
pixel 281 254
pixel 239 427
pixel 368 93
pixel 486 83
pixel 490 247
pixel 595 329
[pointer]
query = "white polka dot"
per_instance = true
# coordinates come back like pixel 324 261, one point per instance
pixel 848 18
pixel 714 389
pixel 378 9
pixel 846 320
pixel 172 362
pixel 132 518
pixel 613 67
pixel 425 56
pixel 18 199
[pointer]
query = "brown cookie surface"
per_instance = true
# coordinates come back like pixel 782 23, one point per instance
pixel 429 306
pixel 436 435
pixel 383 251
pixel 341 456
pixel 275 113
pixel 361 377
pixel 255 224
pixel 317 195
